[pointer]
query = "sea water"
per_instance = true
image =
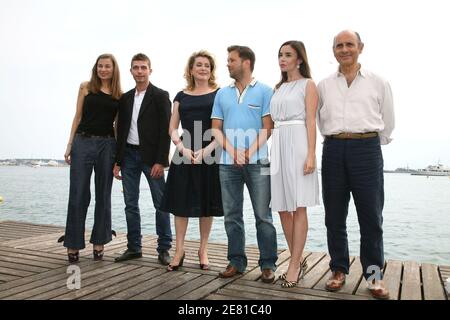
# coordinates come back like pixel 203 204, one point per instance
pixel 416 212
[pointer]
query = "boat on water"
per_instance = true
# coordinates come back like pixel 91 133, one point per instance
pixel 433 170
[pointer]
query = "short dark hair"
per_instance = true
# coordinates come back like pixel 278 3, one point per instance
pixel 245 53
pixel 141 57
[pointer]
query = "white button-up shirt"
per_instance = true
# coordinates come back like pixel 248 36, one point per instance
pixel 133 135
pixel 365 106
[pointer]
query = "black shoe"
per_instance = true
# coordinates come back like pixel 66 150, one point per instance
pixel 73 257
pixel 128 255
pixel 97 254
pixel 180 264
pixel 164 257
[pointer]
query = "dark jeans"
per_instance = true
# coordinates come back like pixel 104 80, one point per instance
pixel 87 154
pixel 354 166
pixel 257 179
pixel 132 167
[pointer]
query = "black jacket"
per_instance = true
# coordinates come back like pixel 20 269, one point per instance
pixel 153 126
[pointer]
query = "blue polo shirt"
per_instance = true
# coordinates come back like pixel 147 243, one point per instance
pixel 242 116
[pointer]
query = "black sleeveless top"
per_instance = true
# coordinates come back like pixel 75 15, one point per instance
pixel 99 112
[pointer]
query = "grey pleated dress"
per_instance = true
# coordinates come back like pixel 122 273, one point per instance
pixel 289 186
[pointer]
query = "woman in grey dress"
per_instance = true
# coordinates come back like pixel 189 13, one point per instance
pixel 294 181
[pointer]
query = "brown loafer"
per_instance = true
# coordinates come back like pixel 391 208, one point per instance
pixel 229 272
pixel 378 290
pixel 335 282
pixel 267 275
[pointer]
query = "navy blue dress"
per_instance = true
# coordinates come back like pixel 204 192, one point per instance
pixel 193 190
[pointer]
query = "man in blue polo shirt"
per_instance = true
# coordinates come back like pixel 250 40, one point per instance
pixel 241 124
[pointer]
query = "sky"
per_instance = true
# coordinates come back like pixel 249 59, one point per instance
pixel 48 47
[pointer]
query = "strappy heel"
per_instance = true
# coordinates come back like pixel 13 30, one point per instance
pixel 303 266
pixel 171 267
pixel 291 284
pixel 301 275
pixel 73 257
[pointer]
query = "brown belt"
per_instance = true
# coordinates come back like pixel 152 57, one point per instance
pixel 350 135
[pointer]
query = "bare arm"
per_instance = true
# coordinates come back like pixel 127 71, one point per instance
pixel 82 92
pixel 173 132
pixel 311 102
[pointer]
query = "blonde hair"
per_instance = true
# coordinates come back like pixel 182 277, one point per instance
pixel 187 71
pixel 95 83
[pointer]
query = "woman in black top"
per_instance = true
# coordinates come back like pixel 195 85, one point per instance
pixel 92 145
pixel 193 187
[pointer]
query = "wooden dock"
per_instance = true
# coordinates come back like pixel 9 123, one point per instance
pixel 34 266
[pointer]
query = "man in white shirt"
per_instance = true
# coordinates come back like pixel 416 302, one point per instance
pixel 143 144
pixel 355 116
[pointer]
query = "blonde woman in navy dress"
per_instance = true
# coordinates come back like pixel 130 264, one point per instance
pixel 294 181
pixel 193 187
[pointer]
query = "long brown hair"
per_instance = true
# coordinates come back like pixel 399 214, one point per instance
pixel 190 64
pixel 95 83
pixel 304 69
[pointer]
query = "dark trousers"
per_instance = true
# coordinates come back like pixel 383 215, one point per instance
pixel 132 168
pixel 356 167
pixel 90 154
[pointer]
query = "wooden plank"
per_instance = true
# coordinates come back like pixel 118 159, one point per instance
pixel 14 272
pixel 29 224
pixel 41 279
pixel 22 267
pixel 176 293
pixel 216 296
pixel 23 281
pixel 432 287
pixel 6 278
pixel 305 291
pixel 205 290
pixel 161 280
pixel 94 281
pixel 315 273
pixel 31 254
pixel 392 278
pixel 247 295
pixel 29 230
pixel 14 256
pixel 124 285
pixel 37 252
pixel 32 240
pixel 274 293
pixel 173 284
pixel 411 286
pixel 44 291
pixel 23 235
